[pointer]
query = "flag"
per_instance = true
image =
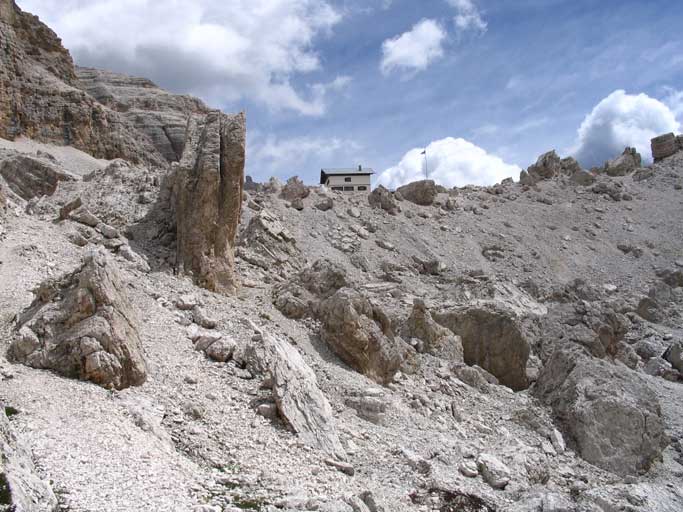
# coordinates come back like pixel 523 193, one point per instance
pixel 424 152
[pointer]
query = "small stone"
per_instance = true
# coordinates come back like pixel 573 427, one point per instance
pixel 186 302
pixel 469 469
pixel 558 441
pixel 201 318
pixel 494 472
pixel 107 231
pixel 344 467
pixel 268 411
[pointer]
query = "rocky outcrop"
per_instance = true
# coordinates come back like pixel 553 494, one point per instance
pixel 624 164
pixel 492 339
pixel 361 335
pixel 419 192
pixel 207 199
pixel 435 339
pixel 548 166
pixel 301 296
pixel 384 199
pixel 21 489
pixel 160 115
pixel 40 98
pixel 83 326
pixel 294 190
pixel 29 176
pixel 608 412
pixel 267 244
pixel 299 400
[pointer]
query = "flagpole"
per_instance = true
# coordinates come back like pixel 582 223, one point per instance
pixel 426 169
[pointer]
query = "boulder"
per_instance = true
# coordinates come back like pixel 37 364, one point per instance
pixel 325 204
pixel 360 334
pixel 664 146
pixel 625 164
pixel 29 177
pixel 294 189
pixel 383 198
pixel 207 199
pixel 419 192
pixel 300 296
pixel 21 489
pixel 583 178
pixel 608 412
pixel 674 354
pixel 299 400
pixel 436 339
pixel 267 244
pixel 491 339
pixel 82 325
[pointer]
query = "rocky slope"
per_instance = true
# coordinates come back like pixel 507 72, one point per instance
pixel 171 341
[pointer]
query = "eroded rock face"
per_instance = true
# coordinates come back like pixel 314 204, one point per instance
pixel 40 98
pixel 419 192
pixel 437 340
pixel 492 339
pixel 83 326
pixel 608 412
pixel 267 244
pixel 207 198
pixel 21 489
pixel 299 400
pixel 360 334
pixel 624 164
pixel 160 115
pixel 30 177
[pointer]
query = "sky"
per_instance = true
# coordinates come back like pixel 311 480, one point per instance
pixel 484 86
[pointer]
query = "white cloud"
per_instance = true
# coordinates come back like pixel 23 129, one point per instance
pixel 622 120
pixel 674 100
pixel 451 162
pixel 468 16
pixel 414 50
pixel 221 51
pixel 272 155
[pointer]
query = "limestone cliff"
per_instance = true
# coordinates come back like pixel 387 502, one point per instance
pixel 160 115
pixel 39 97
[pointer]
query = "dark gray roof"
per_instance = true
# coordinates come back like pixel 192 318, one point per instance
pixel 363 171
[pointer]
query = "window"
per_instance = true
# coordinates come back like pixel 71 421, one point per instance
pixel 348 189
pixel 347 180
pixel 338 188
pixel 362 187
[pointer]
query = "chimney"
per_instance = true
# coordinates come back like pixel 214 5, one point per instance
pixel 360 168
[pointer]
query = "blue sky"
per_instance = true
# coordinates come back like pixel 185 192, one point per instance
pixel 502 82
